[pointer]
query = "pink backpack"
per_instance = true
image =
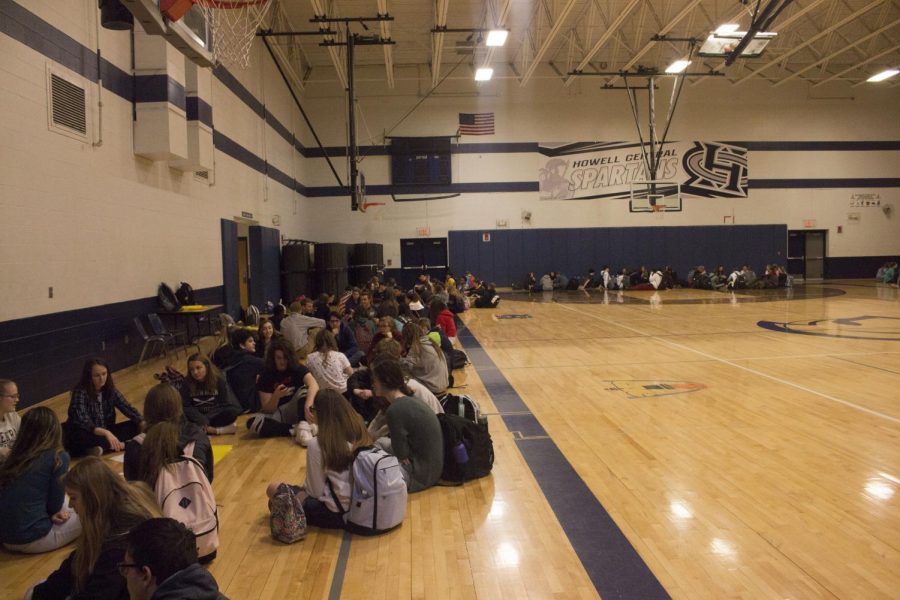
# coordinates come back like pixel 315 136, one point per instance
pixel 184 494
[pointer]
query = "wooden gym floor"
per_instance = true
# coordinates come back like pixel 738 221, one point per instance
pixel 684 443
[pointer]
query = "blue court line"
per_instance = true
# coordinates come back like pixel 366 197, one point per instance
pixel 337 582
pixel 613 565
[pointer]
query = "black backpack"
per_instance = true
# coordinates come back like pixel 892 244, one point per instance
pixel 458 359
pixel 185 294
pixel 468 449
pixel 167 298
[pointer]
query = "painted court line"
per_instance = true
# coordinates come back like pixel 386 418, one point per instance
pixel 337 582
pixel 613 565
pixel 847 403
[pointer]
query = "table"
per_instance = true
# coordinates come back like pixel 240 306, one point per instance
pixel 193 314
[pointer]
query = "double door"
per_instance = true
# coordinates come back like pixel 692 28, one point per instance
pixel 806 253
pixel 422 255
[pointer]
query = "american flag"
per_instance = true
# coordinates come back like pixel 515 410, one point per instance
pixel 476 123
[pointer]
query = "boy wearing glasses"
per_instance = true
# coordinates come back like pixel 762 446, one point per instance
pixel 9 418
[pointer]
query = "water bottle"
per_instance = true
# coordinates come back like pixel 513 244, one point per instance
pixel 460 453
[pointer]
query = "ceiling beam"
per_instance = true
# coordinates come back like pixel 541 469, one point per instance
pixel 437 40
pixel 851 17
pixel 319 10
pixel 690 6
pixel 501 22
pixel 545 45
pixel 388 48
pixel 825 59
pixel 610 31
pixel 858 65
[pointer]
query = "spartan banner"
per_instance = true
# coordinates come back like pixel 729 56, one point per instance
pixel 586 170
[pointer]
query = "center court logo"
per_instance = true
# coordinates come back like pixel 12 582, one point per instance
pixel 637 388
pixel 865 327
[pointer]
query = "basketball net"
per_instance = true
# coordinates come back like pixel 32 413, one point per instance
pixel 233 26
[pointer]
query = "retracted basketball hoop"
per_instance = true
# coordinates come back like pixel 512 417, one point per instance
pixel 232 24
pixel 365 205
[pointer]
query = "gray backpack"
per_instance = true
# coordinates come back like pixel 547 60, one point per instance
pixel 378 497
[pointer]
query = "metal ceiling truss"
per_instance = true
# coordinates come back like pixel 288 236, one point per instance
pixel 388 48
pixel 858 65
pixel 531 60
pixel 328 8
pixel 437 39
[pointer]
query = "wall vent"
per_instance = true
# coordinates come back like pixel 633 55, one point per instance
pixel 67 107
pixel 207 176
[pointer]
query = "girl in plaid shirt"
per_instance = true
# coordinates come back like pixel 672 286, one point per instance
pixel 91 428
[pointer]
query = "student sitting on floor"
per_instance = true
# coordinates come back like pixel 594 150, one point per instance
pixel 328 365
pixel 207 400
pixel 328 460
pixel 286 391
pixel 241 367
pixel 345 339
pixel 161 562
pixel 424 359
pixel 267 333
pixel 108 507
pixel 9 418
pixel 91 427
pixel 34 514
pixel 386 330
pixel 415 434
pixel 442 318
pixel 163 404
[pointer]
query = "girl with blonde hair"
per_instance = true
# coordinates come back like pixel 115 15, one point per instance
pixel 424 359
pixel 108 507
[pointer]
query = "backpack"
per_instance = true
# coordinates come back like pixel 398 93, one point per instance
pixel 251 315
pixel 184 494
pixel 287 521
pixel 378 497
pixel 167 298
pixel 468 449
pixel 185 294
pixel 458 359
pixel 462 406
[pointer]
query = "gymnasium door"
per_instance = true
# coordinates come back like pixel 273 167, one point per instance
pixel 806 253
pixel 418 255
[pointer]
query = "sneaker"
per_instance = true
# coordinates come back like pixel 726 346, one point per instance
pixel 304 433
pixel 94 451
pixel 226 430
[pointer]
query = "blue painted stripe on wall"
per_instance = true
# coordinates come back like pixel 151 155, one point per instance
pixel 116 80
pixel 159 88
pixel 198 110
pixel 237 88
pixel 613 565
pixel 280 176
pixel 453 188
pixel 29 29
pixel 862 182
pixel 280 129
pixel 820 146
pixel 225 144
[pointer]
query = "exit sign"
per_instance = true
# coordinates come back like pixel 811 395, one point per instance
pixel 423 232
pixel 809 223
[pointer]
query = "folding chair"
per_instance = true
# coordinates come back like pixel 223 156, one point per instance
pixel 171 337
pixel 148 339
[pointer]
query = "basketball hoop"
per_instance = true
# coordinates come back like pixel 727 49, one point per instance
pixel 232 25
pixel 365 205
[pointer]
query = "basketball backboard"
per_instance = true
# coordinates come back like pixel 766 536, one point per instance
pixel 655 196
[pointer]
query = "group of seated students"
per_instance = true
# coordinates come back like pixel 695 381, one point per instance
pixel 743 277
pixel 380 391
pixel 888 273
pixel 122 547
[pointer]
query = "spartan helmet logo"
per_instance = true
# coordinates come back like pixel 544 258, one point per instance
pixel 553 183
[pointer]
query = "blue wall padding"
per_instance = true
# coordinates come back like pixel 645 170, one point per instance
pixel 511 253
pixel 265 265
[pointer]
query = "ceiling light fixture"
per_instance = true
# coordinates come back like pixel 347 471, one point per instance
pixel 484 74
pixel 883 75
pixel 496 37
pixel 677 67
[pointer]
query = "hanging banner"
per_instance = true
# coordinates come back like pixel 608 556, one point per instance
pixel 586 170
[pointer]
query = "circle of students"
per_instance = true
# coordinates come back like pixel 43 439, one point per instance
pixel 774 276
pixel 361 381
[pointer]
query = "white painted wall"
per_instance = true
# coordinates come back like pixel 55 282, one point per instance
pixel 100 225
